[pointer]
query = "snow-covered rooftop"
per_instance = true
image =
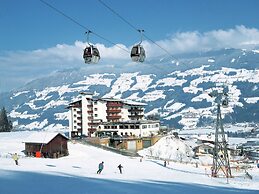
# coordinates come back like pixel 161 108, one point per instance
pixel 41 137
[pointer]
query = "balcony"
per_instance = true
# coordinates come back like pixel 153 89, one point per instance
pixel 113 110
pixel 114 104
pixel 135 116
pixel 112 117
pixel 91 129
pixel 93 124
pixel 136 110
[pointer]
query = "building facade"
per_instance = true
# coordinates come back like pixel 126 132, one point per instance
pixel 90 114
pixel 135 128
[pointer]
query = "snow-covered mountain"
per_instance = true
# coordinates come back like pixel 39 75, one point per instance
pixel 175 89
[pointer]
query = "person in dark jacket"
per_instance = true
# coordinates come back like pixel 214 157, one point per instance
pixel 100 168
pixel 120 168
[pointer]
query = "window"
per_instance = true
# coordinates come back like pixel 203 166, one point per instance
pixel 95 102
pixel 144 126
pixel 95 109
pixel 95 115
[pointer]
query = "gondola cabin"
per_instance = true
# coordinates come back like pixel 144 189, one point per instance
pixel 46 144
pixel 138 53
pixel 91 55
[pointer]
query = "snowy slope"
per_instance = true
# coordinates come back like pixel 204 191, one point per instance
pixel 179 94
pixel 76 173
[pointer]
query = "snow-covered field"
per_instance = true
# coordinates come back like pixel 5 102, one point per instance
pixel 76 173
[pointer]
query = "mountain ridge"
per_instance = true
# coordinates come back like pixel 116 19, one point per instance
pixel 176 90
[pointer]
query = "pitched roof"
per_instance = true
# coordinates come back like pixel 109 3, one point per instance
pixel 42 137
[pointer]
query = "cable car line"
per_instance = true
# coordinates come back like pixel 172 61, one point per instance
pixel 82 26
pixel 112 10
pixel 107 40
pixel 131 25
pixel 137 52
pixel 62 13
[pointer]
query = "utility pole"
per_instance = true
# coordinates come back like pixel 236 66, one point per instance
pixel 220 153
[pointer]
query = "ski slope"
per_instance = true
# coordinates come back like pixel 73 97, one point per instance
pixel 76 173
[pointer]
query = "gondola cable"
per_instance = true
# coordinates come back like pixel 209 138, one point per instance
pixel 135 28
pixel 82 26
pixel 85 28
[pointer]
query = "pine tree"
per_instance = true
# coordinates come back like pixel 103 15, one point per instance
pixel 5 124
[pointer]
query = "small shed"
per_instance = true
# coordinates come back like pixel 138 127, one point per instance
pixel 46 144
pixel 205 148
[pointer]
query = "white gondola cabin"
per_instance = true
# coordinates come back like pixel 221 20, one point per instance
pixel 91 55
pixel 138 53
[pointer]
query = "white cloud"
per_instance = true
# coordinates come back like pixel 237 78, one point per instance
pixel 239 37
pixel 27 65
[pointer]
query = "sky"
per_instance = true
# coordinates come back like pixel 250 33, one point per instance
pixel 38 39
pixel 76 173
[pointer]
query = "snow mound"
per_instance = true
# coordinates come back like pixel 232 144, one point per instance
pixel 170 148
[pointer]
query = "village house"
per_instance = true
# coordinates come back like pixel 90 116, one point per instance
pixel 203 149
pixel 46 144
pixel 251 149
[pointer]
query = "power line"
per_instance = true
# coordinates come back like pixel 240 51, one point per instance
pixel 82 26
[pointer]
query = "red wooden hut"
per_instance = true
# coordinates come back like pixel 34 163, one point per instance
pixel 46 144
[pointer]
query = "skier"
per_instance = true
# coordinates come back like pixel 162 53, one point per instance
pixel 165 163
pixel 15 158
pixel 100 168
pixel 120 168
